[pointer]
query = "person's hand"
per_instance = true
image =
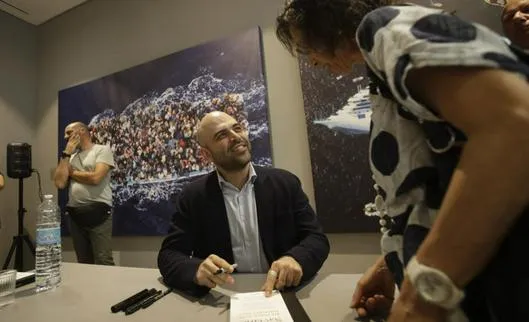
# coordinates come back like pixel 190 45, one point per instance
pixel 409 307
pixel 70 170
pixel 205 274
pixel 374 292
pixel 284 272
pixel 73 143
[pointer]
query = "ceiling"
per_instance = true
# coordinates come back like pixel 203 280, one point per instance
pixel 37 11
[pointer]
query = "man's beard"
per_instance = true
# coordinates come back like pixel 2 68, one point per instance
pixel 232 163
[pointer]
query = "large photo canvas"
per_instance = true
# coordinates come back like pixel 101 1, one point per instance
pixel 148 115
pixel 337 112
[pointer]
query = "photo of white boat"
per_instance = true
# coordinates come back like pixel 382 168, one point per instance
pixel 354 117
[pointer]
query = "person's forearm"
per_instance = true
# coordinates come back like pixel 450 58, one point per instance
pixel 178 269
pixel 61 173
pixel 85 177
pixel 488 192
pixel 310 253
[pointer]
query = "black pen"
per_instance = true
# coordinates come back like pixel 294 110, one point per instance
pixel 156 298
pixel 136 306
pixel 222 270
pixel 129 301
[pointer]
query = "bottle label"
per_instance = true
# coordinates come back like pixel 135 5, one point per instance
pixel 48 236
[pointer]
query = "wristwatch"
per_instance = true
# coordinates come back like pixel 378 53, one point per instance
pixel 434 286
pixel 65 155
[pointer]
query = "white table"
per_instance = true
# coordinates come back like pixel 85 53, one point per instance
pixel 88 291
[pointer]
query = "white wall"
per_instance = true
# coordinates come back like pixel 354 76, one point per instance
pixel 18 91
pixel 102 37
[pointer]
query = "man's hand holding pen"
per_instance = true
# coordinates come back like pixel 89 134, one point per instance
pixel 214 271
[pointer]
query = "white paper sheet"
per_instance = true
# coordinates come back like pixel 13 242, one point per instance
pixel 255 307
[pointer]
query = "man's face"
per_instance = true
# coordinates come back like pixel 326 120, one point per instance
pixel 71 132
pixel 515 19
pixel 226 144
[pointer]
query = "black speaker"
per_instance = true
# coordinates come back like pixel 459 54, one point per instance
pixel 18 160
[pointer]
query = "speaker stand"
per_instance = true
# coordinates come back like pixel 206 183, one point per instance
pixel 17 246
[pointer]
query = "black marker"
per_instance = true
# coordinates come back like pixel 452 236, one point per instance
pixel 127 302
pixel 156 298
pixel 136 306
pixel 222 270
pixel 138 300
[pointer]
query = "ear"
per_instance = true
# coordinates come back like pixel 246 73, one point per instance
pixel 206 154
pixel 246 128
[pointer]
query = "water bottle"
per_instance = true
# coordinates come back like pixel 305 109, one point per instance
pixel 48 245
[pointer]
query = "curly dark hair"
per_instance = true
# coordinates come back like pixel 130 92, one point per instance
pixel 323 25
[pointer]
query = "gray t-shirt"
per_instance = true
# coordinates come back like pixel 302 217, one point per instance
pixel 82 194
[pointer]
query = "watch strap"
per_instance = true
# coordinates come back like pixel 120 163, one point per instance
pixel 65 155
pixel 414 269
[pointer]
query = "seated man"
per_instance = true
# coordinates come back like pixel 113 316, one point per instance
pixel 258 218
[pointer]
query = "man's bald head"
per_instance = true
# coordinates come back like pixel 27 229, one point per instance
pixel 224 141
pixel 510 4
pixel 77 128
pixel 77 125
pixel 209 124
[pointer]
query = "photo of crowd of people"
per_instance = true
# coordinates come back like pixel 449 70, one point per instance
pixel 158 142
pixel 148 115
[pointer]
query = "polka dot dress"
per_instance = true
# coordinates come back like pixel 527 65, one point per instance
pixel 394 40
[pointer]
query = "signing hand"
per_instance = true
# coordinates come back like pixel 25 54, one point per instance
pixel 205 275
pixel 284 272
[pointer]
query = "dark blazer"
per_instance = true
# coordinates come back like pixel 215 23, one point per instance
pixel 287 226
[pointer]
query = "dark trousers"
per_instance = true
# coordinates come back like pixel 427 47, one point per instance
pixel 93 244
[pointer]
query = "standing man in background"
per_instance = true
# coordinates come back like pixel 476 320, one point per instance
pixel 85 168
pixel 1 181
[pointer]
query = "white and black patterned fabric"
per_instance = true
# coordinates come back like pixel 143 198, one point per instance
pixel 413 151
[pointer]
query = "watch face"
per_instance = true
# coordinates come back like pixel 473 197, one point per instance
pixel 433 288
